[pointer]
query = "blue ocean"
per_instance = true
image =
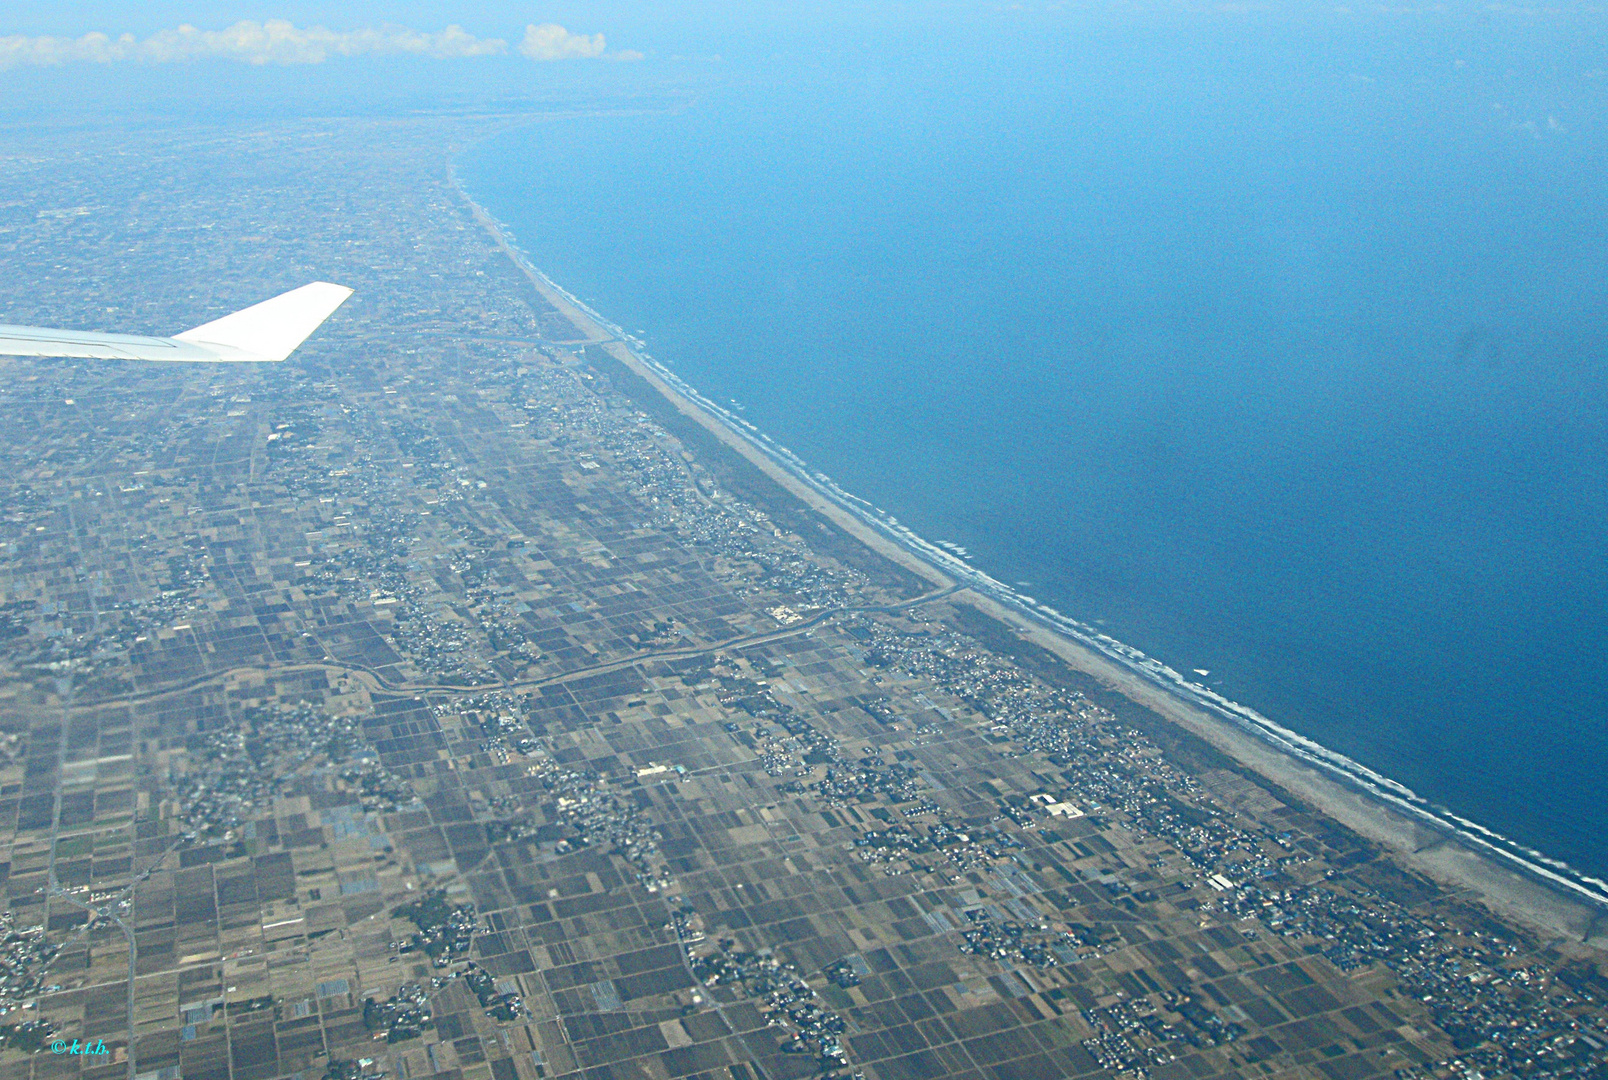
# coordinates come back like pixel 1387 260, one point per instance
pixel 1278 350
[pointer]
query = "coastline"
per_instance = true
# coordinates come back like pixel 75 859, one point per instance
pixel 1474 862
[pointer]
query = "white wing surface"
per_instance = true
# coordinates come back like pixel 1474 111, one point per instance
pixel 263 333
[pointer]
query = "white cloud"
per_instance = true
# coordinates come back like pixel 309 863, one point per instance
pixel 550 41
pixel 278 41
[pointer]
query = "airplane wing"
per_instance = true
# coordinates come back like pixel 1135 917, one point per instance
pixel 263 333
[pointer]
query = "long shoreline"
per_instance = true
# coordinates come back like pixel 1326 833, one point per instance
pixel 1519 882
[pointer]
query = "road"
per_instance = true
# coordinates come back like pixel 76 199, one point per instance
pixel 378 682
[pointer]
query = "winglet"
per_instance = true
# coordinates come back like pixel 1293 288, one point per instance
pixel 271 330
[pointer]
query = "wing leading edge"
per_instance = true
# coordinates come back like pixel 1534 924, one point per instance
pixel 263 333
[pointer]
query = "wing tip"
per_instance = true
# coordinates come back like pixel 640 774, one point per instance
pixel 270 331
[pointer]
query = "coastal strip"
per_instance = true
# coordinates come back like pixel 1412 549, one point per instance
pixel 1462 855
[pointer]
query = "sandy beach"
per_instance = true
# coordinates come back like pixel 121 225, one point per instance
pixel 1434 853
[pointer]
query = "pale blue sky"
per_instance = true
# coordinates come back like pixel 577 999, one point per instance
pixel 1544 62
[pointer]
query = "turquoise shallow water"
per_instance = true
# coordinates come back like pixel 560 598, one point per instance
pixel 1274 359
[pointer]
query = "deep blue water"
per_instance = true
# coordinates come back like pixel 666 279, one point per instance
pixel 1278 356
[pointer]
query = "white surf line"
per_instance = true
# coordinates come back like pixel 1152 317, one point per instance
pixel 1555 872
